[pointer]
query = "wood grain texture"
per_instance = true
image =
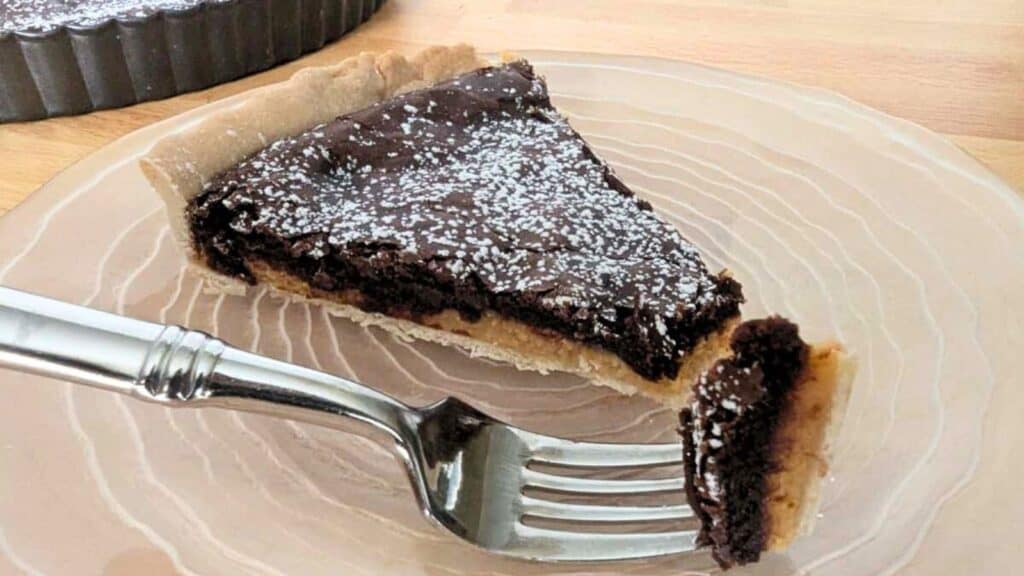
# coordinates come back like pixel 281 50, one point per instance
pixel 956 67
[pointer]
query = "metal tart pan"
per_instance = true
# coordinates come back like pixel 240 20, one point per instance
pixel 77 69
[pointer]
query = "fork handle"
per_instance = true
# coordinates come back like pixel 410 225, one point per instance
pixel 174 366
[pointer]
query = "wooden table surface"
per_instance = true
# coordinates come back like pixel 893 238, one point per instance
pixel 955 66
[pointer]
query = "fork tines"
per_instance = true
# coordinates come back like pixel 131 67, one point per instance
pixel 574 530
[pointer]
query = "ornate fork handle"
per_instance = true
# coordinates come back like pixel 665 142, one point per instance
pixel 175 366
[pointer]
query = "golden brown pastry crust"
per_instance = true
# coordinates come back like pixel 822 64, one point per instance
pixel 513 342
pixel 803 442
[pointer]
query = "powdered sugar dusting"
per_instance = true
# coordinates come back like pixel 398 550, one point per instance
pixel 722 396
pixel 505 195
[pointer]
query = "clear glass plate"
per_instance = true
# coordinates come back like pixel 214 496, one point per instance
pixel 861 227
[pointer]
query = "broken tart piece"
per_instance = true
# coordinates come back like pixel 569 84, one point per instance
pixel 756 435
pixel 465 211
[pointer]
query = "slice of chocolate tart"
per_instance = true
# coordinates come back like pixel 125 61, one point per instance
pixel 445 198
pixel 756 436
pixel 448 200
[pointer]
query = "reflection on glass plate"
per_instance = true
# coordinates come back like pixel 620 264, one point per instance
pixel 859 226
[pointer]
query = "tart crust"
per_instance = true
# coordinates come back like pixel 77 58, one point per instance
pixel 803 443
pixel 513 342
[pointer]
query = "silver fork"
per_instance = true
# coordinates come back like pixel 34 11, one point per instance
pixel 468 470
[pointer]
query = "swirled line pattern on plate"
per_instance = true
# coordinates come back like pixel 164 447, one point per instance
pixel 752 201
pixel 814 202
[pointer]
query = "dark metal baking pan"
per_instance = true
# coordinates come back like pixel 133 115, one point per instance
pixel 122 61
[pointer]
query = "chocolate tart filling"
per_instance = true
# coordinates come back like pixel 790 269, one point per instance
pixel 472 195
